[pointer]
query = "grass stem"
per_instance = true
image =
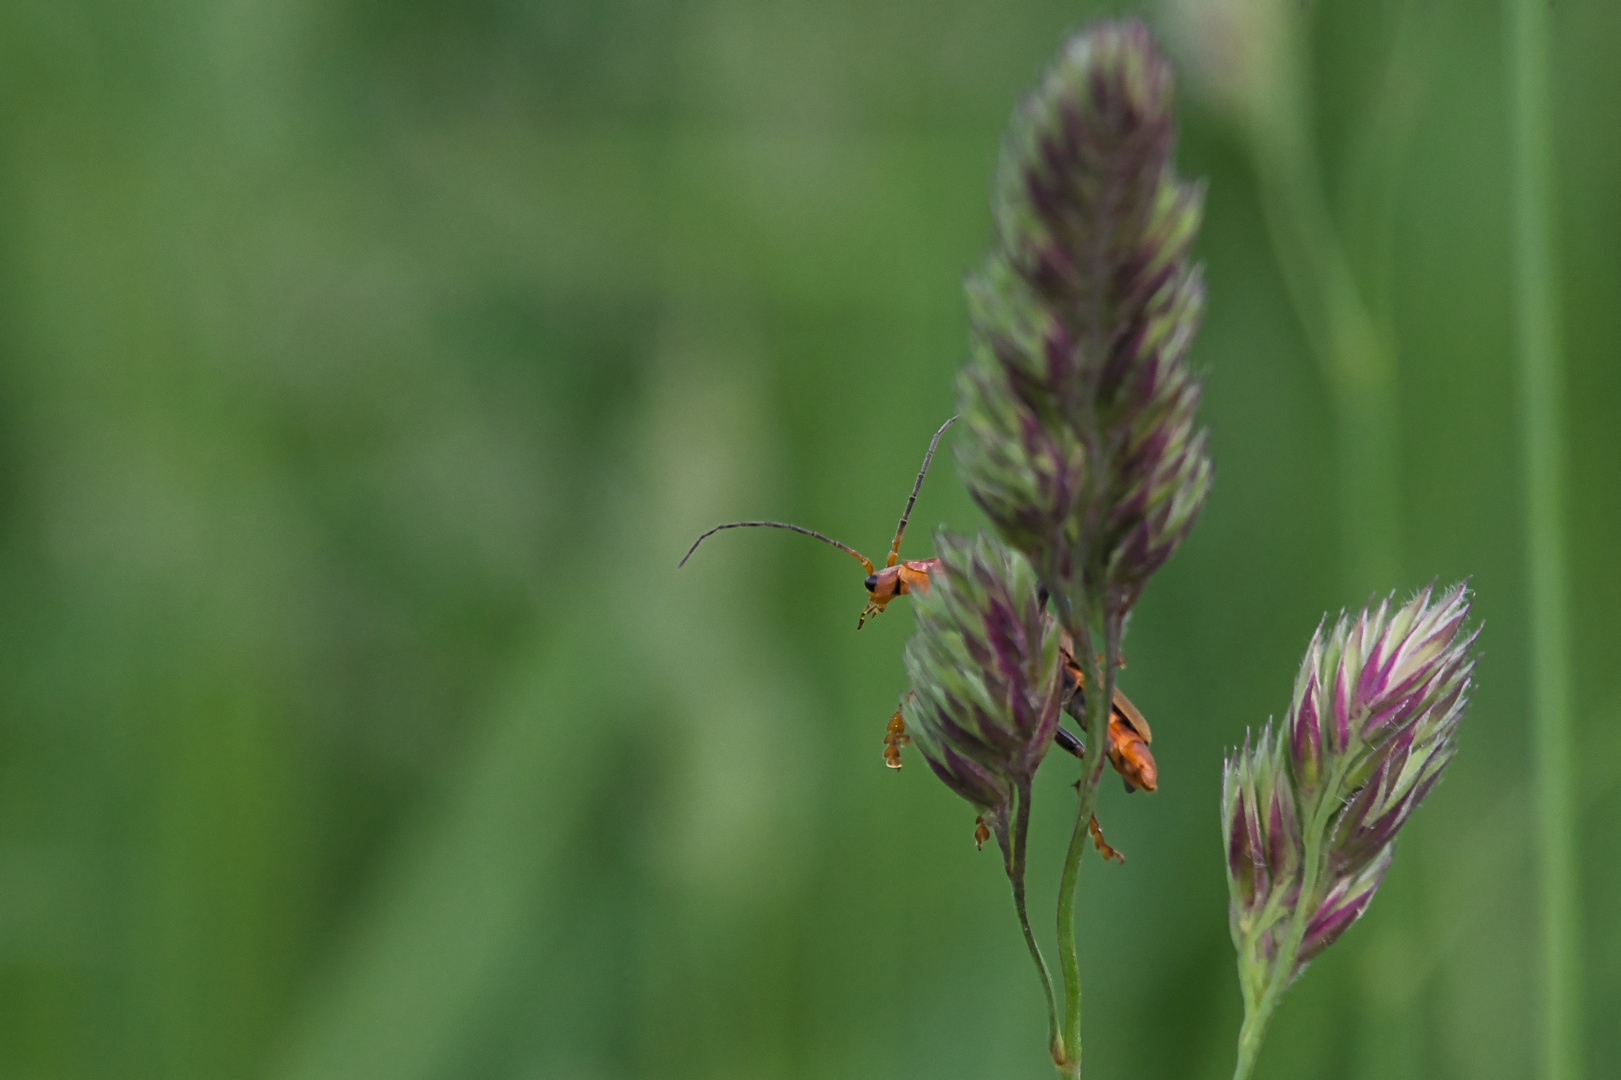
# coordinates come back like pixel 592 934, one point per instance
pixel 1015 871
pixel 1100 678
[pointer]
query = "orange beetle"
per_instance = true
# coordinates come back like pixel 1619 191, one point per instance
pixel 1129 734
pixel 894 579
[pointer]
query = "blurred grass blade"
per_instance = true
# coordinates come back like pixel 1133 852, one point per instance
pixel 1536 297
pixel 436 951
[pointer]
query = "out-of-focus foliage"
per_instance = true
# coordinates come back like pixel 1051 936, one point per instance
pixel 364 370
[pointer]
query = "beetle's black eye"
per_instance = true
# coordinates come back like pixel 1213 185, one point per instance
pixel 872 583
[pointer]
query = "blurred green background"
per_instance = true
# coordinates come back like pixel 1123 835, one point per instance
pixel 364 370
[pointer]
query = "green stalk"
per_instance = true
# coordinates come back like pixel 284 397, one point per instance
pixel 1068 1055
pixel 1015 872
pixel 1538 346
pixel 1098 698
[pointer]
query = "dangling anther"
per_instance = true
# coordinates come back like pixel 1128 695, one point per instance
pixel 1103 845
pixel 895 737
pixel 982 833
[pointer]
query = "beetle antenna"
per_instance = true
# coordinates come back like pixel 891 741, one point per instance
pixel 895 548
pixel 812 533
